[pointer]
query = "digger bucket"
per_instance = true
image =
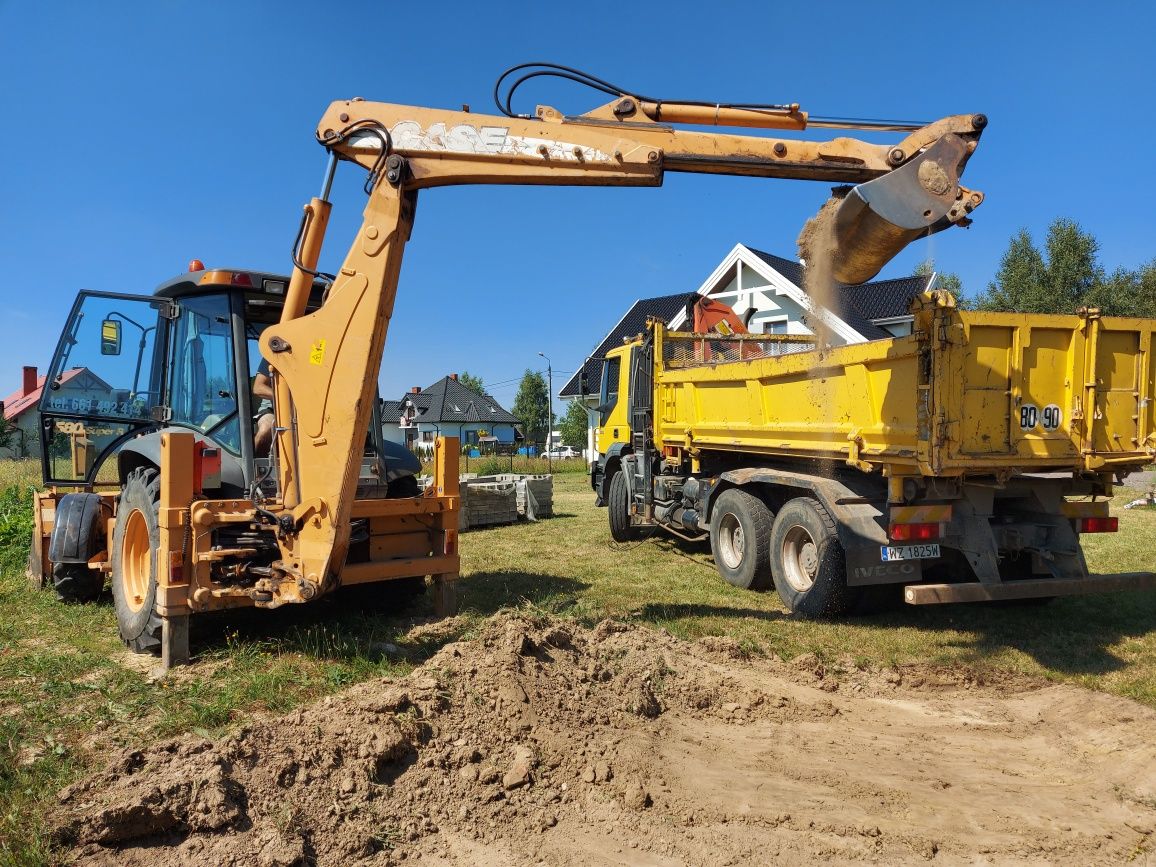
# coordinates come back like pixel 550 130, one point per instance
pixel 879 218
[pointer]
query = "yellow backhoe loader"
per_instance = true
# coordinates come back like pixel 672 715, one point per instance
pixel 190 519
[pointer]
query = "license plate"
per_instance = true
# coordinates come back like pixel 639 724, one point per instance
pixel 908 552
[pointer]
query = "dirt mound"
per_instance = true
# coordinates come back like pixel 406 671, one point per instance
pixel 540 742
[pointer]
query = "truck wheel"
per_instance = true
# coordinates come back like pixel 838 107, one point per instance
pixel 618 509
pixel 134 562
pixel 740 532
pixel 75 582
pixel 807 561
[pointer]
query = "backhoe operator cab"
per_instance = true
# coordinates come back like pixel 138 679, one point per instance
pixel 129 368
pixel 128 372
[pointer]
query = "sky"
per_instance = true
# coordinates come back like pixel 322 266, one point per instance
pixel 137 136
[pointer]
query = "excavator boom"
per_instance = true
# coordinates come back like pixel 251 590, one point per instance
pixel 324 360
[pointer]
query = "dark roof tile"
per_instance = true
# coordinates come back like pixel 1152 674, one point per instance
pixel 447 400
pixel 663 307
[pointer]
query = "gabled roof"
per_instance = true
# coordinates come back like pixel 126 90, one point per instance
pixel 447 400
pixel 18 403
pixel 885 299
pixel 664 307
pixel 862 304
pixel 793 271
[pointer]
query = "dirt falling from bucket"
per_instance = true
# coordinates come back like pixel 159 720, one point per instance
pixel 818 247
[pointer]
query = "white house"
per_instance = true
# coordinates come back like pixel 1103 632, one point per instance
pixel 749 279
pixel 447 408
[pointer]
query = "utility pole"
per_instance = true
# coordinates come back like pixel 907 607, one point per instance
pixel 550 403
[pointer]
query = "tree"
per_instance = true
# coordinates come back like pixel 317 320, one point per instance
pixel 1062 282
pixel 944 279
pixel 1127 293
pixel 574 425
pixel 532 406
pixel 473 383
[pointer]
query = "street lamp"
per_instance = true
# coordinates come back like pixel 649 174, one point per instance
pixel 550 402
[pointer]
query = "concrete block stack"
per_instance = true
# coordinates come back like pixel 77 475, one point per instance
pixel 536 497
pixel 489 502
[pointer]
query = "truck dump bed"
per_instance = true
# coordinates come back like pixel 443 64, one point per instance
pixel 966 393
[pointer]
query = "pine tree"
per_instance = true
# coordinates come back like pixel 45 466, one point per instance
pixel 1065 280
pixel 1019 282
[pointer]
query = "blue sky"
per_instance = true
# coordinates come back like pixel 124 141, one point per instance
pixel 140 135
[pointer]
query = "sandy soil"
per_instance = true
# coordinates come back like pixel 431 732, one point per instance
pixel 541 743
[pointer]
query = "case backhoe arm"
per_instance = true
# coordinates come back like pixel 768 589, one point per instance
pixel 328 360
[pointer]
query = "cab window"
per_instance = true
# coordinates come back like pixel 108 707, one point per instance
pixel 203 390
pixel 609 395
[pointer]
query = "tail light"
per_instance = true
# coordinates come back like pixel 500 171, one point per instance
pixel 1097 525
pixel 914 532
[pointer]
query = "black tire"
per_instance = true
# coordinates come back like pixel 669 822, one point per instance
pixel 384 597
pixel 75 583
pixel 740 533
pixel 77 535
pixel 134 572
pixel 618 509
pixel 388 596
pixel 807 561
pixel 403 486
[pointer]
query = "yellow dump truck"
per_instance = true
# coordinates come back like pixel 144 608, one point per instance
pixel 963 461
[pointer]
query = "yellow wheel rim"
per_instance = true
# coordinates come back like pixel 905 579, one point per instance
pixel 136 561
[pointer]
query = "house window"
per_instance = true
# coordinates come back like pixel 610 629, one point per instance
pixel 779 326
pixel 427 436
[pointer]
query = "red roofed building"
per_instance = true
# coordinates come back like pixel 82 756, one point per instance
pixel 20 407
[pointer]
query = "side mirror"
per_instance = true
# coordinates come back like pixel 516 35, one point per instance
pixel 110 337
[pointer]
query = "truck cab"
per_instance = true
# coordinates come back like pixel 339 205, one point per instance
pixel 612 435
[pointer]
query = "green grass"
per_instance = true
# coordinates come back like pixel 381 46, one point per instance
pixel 1104 642
pixel 69 692
pixel 492 465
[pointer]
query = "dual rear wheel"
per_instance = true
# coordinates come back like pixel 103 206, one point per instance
pixel 797 551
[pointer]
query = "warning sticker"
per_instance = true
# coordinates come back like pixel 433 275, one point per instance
pixel 317 352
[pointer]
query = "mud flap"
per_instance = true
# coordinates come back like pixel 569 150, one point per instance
pixel 865 567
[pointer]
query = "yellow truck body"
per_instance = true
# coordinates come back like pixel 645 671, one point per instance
pixel 962 462
pixel 966 393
